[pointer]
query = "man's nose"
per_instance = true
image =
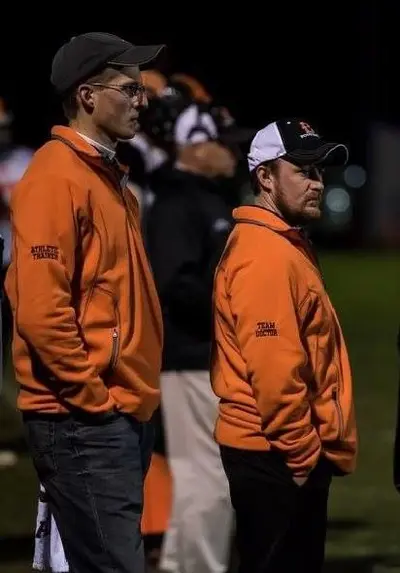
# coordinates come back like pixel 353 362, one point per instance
pixel 318 186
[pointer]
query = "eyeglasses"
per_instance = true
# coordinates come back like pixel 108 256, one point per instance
pixel 130 90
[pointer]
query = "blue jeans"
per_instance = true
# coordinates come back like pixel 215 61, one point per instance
pixel 93 469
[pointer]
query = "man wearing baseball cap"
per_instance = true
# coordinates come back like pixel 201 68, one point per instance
pixel 90 53
pixel 280 368
pixel 88 327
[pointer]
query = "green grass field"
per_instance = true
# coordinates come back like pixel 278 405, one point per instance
pixel 364 530
pixel 365 509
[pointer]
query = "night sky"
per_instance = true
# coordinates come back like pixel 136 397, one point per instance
pixel 324 66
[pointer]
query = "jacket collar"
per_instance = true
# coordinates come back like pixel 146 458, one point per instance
pixel 261 216
pixel 102 149
pixel 87 151
pixel 256 215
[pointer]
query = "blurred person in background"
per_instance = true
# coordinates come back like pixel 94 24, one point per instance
pixel 195 90
pixel 233 135
pixel 168 98
pixel 14 160
pixel 153 155
pixel 88 325
pixel 280 367
pixel 186 231
pixel 143 153
pixel 155 145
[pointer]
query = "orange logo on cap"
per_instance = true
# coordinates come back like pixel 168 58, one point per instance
pixel 306 127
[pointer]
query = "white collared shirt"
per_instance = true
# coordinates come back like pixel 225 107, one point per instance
pixel 109 153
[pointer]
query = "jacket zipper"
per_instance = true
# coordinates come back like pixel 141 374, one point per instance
pixel 114 348
pixel 336 400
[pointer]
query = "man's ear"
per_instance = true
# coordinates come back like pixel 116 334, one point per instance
pixel 85 94
pixel 264 176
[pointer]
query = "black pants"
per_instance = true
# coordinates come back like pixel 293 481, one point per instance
pixel 93 468
pixel 280 527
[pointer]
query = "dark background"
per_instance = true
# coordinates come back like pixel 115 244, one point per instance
pixel 328 62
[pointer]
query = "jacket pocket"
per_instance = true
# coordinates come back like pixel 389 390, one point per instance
pixel 41 438
pixel 101 330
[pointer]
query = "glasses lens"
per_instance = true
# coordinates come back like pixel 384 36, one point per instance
pixel 134 90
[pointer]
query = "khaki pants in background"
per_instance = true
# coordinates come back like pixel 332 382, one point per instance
pixel 199 535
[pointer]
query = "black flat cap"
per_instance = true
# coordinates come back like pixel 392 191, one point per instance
pixel 87 54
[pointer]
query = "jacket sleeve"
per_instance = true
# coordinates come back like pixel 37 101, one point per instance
pixel 45 236
pixel 268 327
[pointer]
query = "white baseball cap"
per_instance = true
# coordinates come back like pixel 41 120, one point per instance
pixel 296 141
pixel 194 125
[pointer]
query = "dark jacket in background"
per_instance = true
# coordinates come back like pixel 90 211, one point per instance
pixel 186 231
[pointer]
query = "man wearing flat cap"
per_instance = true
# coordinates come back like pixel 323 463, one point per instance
pixel 88 327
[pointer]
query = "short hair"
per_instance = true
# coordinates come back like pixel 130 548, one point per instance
pixel 70 102
pixel 254 183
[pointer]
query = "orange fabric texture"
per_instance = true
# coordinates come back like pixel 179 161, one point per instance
pixel 198 91
pixel 279 361
pixel 154 81
pixel 87 320
pixel 157 497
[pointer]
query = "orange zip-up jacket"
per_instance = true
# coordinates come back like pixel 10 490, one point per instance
pixel 88 329
pixel 279 361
